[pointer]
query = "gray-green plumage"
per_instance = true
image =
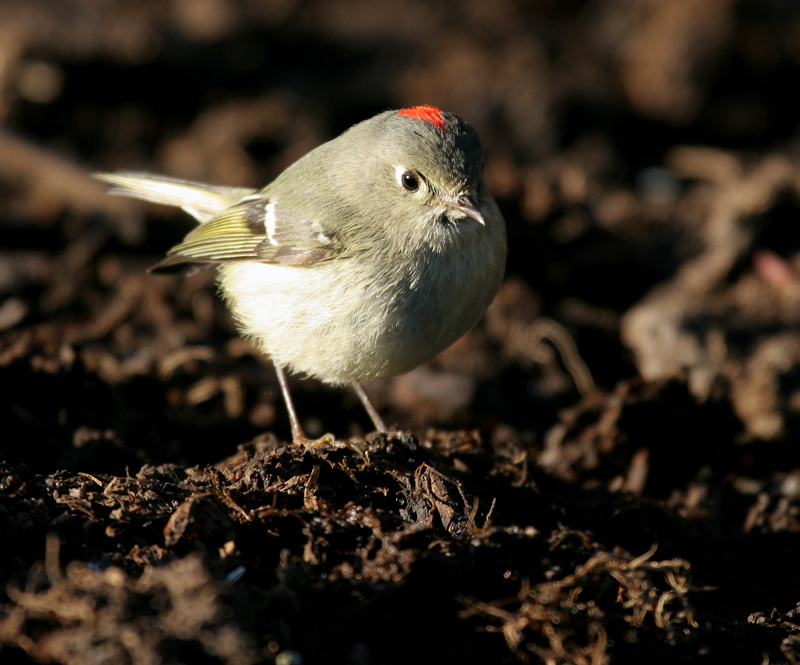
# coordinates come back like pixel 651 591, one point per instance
pixel 364 258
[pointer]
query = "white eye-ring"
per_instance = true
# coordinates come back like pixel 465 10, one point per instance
pixel 407 179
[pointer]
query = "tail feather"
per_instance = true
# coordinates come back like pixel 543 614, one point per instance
pixel 201 201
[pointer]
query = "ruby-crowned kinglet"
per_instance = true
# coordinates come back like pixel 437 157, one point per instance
pixel 362 260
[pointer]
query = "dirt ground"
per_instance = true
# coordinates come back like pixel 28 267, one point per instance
pixel 607 470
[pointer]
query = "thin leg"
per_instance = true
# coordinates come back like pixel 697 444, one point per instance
pixel 298 434
pixel 373 413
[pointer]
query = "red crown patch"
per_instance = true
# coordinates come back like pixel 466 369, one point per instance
pixel 428 113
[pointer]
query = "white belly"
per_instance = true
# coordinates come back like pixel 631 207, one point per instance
pixel 309 321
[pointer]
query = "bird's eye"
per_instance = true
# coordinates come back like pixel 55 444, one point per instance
pixel 410 181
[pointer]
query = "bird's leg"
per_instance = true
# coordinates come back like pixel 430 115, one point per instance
pixel 298 434
pixel 371 410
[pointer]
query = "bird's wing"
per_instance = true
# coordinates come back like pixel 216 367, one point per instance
pixel 203 202
pixel 255 229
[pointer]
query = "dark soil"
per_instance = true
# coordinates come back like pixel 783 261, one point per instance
pixel 607 470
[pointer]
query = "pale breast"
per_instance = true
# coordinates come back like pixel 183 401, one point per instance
pixel 314 322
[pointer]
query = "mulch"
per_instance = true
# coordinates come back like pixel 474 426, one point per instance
pixel 606 470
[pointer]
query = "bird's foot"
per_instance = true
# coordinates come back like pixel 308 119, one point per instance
pixel 300 439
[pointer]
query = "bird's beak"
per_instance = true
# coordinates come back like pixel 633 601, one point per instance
pixel 467 206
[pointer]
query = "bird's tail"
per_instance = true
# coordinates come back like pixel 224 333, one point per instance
pixel 201 201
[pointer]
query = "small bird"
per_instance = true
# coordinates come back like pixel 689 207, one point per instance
pixel 363 259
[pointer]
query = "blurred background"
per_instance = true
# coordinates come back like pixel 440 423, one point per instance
pixel 644 154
